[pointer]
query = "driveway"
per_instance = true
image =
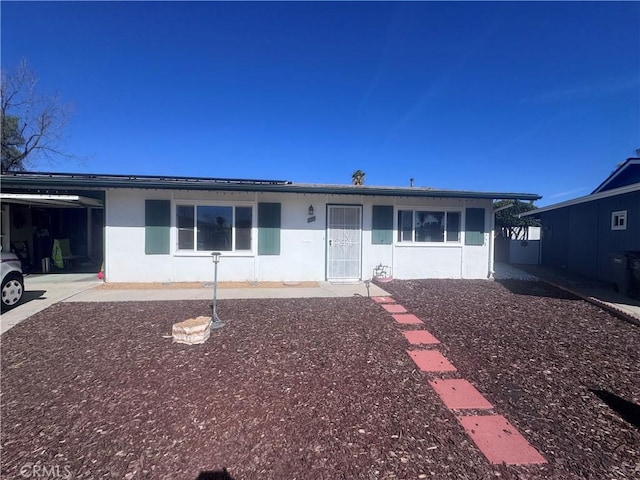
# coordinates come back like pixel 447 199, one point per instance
pixel 42 291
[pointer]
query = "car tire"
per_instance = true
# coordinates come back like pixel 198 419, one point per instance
pixel 12 290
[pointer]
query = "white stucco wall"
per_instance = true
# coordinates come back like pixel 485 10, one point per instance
pixel 303 243
pixel 125 260
pixel 433 262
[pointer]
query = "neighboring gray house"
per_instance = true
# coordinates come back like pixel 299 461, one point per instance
pixel 580 235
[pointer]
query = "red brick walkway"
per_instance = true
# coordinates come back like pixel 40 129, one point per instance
pixel 497 439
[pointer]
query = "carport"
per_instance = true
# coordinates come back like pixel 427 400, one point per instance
pixel 34 221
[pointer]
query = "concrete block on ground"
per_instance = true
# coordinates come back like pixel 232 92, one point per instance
pixel 192 331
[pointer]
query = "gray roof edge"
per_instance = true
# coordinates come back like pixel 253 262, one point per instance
pixel 621 168
pixel 587 198
pixel 55 180
pixel 109 178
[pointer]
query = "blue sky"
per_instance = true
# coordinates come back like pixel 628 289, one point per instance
pixel 540 97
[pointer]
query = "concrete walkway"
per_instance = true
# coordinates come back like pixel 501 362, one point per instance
pixel 504 271
pixel 323 289
pixel 42 291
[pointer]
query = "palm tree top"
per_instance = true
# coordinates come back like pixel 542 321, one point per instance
pixel 357 177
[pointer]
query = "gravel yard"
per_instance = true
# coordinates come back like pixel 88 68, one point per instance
pixel 320 388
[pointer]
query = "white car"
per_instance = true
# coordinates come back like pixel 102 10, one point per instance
pixel 12 281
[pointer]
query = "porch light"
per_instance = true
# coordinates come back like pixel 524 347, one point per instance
pixel 310 210
pixel 215 320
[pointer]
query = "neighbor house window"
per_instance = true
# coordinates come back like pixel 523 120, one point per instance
pixel 619 220
pixel 207 228
pixel 423 226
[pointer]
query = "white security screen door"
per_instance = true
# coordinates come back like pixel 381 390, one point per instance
pixel 344 242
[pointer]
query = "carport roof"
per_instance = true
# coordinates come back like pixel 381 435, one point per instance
pixel 48 181
pixel 50 200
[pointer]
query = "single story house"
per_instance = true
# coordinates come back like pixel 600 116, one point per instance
pixel 164 229
pixel 581 234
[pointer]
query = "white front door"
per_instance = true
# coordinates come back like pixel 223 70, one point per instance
pixel 344 242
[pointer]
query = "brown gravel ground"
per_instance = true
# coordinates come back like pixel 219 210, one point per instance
pixel 318 388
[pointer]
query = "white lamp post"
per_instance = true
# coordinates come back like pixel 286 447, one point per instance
pixel 215 321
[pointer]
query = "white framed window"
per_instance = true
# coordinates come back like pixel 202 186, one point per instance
pixel 429 226
pixel 619 220
pixel 214 227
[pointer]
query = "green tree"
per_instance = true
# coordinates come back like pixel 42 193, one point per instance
pixel 507 220
pixel 357 177
pixel 12 141
pixel 32 124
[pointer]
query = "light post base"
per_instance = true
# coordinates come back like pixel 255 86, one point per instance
pixel 216 323
pixel 215 320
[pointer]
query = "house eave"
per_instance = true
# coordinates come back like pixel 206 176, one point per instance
pixel 588 198
pixel 20 180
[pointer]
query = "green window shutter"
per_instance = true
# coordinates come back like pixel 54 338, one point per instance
pixel 382 225
pixel 474 226
pixel 157 225
pixel 269 228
